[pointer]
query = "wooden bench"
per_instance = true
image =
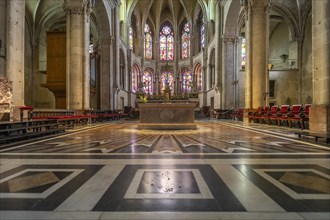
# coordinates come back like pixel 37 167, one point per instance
pixel 223 113
pixel 18 130
pixel 316 135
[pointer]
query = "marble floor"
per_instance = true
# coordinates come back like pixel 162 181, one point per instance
pixel 222 170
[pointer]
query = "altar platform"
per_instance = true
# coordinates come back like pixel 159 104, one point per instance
pixel 167 116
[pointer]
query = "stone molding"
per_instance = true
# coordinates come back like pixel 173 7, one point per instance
pixel 259 5
pixel 232 40
pixel 75 11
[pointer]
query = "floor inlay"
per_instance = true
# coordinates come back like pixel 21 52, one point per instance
pixel 218 171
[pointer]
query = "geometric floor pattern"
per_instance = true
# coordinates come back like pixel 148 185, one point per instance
pixel 113 171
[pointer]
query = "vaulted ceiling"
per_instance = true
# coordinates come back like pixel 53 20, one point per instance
pixel 158 11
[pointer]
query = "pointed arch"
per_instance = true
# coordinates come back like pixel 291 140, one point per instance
pixel 187 80
pixel 135 74
pixel 147 79
pixel 199 76
pixel 167 76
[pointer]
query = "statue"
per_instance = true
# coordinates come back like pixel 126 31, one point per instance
pixel 167 91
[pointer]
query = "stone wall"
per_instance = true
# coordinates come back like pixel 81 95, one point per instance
pixel 6 93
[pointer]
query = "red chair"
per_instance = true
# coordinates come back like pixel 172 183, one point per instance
pixel 282 115
pixel 238 114
pixel 300 117
pixel 272 112
pixel 265 112
pixel 252 114
pixel 294 114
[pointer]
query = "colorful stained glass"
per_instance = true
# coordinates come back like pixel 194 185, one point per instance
pixel 135 73
pixel 131 38
pixel 202 33
pixel 243 56
pixel 185 41
pixel 162 49
pixel 166 43
pixel 186 80
pixel 147 80
pixel 199 75
pixel 147 42
pixel 167 77
pixel 170 47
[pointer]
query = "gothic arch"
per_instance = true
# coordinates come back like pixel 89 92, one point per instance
pixel 135 76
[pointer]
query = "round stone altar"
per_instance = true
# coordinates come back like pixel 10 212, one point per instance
pixel 167 116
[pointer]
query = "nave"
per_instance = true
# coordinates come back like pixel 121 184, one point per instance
pixel 222 170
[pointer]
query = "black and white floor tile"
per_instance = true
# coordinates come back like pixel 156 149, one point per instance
pixel 219 171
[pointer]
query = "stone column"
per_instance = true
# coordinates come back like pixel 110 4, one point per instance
pixel 230 81
pixel 129 74
pixel 320 111
pixel 105 74
pixel 219 54
pixel 257 54
pixel 78 93
pixel 86 56
pixel 3 25
pixel 115 48
pixel 15 52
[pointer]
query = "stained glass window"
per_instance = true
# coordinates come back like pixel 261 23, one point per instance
pixel 167 77
pixel 202 33
pixel 243 57
pixel 185 41
pixel 199 75
pixel 186 80
pixel 135 73
pixel 147 80
pixel 147 42
pixel 166 43
pixel 131 38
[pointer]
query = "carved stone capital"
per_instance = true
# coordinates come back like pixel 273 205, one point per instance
pixel 259 5
pixel 228 40
pixel 75 10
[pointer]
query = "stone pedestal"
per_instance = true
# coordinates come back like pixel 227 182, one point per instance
pixel 167 116
pixel 319 118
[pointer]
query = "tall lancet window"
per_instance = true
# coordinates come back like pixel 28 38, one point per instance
pixel 185 41
pixel 202 33
pixel 131 37
pixel 147 80
pixel 186 80
pixel 166 43
pixel 243 55
pixel 167 78
pixel 147 42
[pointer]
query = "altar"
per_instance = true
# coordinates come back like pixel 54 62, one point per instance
pixel 167 116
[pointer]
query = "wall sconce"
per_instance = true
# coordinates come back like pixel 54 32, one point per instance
pixel 270 66
pixel 284 57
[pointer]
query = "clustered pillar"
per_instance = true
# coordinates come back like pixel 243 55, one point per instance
pixel 320 112
pixel 15 52
pixel 257 42
pixel 78 94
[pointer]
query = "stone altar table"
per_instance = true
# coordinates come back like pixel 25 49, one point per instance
pixel 167 116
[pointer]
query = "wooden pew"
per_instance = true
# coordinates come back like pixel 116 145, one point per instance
pixel 18 130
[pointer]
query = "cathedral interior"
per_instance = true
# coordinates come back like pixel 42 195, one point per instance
pixel 164 109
